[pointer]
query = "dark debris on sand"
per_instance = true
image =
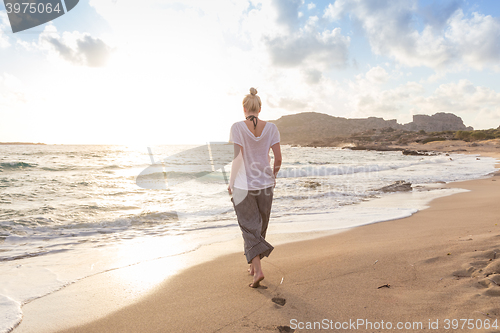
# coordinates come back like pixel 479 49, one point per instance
pixel 279 301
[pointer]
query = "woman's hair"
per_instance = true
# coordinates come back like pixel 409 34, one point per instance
pixel 252 102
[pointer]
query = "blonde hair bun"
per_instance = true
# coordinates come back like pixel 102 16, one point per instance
pixel 252 102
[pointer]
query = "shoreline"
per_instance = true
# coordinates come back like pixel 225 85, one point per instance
pixel 100 291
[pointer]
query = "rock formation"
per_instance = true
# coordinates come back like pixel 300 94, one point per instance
pixel 310 127
pixel 437 123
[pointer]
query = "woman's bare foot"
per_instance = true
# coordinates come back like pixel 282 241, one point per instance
pixel 256 280
pixel 251 270
pixel 258 275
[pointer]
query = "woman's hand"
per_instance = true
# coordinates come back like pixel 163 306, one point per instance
pixel 229 189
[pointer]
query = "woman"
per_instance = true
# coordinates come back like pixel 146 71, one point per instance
pixel 252 180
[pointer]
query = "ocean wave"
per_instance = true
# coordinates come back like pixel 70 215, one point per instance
pixel 27 240
pixel 310 171
pixel 114 167
pixel 17 165
pixel 41 228
pixel 30 255
pixel 152 217
pixel 159 173
pixel 7 182
pixel 180 176
pixel 319 171
pixel 61 168
pixel 317 194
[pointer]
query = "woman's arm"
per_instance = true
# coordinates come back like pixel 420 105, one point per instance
pixel 235 166
pixel 277 159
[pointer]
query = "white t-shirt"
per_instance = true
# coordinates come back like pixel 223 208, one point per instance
pixel 256 173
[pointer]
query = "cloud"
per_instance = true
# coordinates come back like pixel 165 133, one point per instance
pixel 388 25
pixel 336 10
pixel 437 14
pixel 311 5
pixel 261 41
pixel 76 48
pixel 446 39
pixel 477 105
pixel 93 50
pixel 377 75
pixel 312 76
pixel 368 99
pixel 288 12
pixel 324 50
pixel 308 46
pixel 289 104
pixel 476 39
pixel 462 97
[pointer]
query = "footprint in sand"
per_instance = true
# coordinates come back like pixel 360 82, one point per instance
pixel 466 271
pixel 492 279
pixel 486 267
pixel 485 263
pixel 492 268
pixel 492 292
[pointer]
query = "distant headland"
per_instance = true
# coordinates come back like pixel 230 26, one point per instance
pixel 21 143
pixel 318 129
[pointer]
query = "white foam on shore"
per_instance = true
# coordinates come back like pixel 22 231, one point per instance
pixel 11 313
pixel 388 207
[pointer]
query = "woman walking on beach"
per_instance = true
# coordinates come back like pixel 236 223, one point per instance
pixel 252 180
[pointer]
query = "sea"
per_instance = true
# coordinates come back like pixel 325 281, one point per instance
pixel 68 212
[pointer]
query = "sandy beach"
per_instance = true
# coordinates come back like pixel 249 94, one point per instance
pixel 430 271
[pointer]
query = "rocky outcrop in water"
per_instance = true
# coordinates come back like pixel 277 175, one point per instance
pixel 398 186
pixel 418 152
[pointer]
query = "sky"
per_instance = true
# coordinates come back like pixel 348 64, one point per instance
pixel 175 72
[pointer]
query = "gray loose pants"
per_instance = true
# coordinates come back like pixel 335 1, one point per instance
pixel 253 218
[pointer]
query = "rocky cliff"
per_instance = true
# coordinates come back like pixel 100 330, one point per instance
pixel 311 126
pixel 437 123
pixel 307 127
